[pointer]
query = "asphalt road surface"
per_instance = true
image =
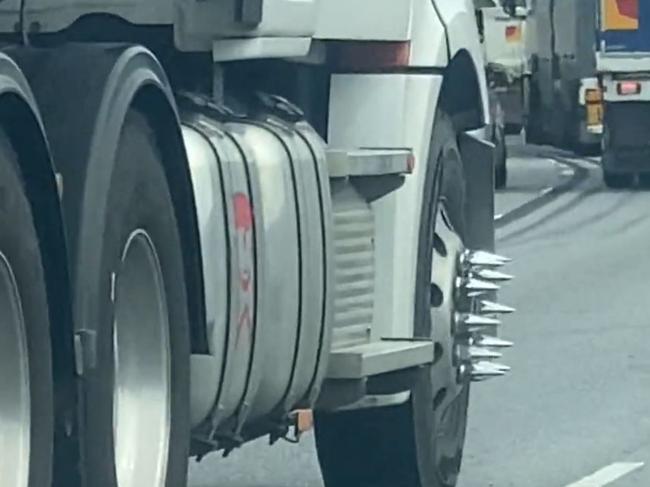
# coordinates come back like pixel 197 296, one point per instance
pixel 575 410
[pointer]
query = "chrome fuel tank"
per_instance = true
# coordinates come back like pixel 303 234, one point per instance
pixel 265 213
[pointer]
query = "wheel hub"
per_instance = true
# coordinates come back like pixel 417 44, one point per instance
pixel 141 396
pixel 464 324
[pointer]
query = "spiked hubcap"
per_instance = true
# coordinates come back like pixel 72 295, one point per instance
pixel 477 275
pixel 463 322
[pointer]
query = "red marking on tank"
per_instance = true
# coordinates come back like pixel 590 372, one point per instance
pixel 245 280
pixel 243 212
pixel 245 321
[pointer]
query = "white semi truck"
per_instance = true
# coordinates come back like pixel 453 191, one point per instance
pixel 507 58
pixel 502 30
pixel 219 216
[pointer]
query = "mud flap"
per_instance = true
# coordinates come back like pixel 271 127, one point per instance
pixel 478 163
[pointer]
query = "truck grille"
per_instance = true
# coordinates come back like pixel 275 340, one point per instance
pixel 354 265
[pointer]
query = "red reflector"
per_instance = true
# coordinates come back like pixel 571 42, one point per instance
pixel 410 163
pixel 371 55
pixel 628 88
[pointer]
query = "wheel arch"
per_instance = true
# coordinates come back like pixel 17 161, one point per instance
pixel 468 107
pixel 21 121
pixel 464 104
pixel 113 79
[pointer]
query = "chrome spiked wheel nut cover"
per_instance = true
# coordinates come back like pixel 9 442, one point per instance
pixel 491 308
pixel 468 323
pixel 490 275
pixel 486 370
pixel 480 353
pixel 471 284
pixel 490 342
pixel 480 258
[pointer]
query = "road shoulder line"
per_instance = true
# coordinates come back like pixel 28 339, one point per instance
pixel 607 475
pixel 545 196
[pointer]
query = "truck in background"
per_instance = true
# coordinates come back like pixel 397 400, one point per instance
pixel 507 63
pixel 623 61
pixel 501 29
pixel 565 103
pixel 219 217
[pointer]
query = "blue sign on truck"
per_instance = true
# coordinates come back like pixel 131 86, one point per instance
pixel 624 26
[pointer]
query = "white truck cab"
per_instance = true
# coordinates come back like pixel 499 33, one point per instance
pixel 240 213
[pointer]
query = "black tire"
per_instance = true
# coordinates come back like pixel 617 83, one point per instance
pixel 618 180
pixel 138 198
pixel 400 445
pixel 501 161
pixel 21 248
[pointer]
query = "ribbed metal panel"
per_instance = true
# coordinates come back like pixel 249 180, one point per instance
pixel 354 263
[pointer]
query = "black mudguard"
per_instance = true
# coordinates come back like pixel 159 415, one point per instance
pixel 85 89
pixel 20 118
pixel 478 162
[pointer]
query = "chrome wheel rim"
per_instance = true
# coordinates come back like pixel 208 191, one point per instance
pixel 142 368
pixel 448 369
pixel 15 400
pixel 445 303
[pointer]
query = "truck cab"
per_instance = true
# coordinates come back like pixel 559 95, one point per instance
pixel 240 214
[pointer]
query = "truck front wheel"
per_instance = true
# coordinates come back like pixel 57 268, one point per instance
pixel 26 399
pixel 418 443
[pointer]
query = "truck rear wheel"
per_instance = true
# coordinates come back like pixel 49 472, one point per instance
pixel 612 179
pixel 137 398
pixel 26 400
pixel 418 443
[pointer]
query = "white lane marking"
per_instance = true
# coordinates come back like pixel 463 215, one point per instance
pixel 546 190
pixel 607 475
pixel 568 172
